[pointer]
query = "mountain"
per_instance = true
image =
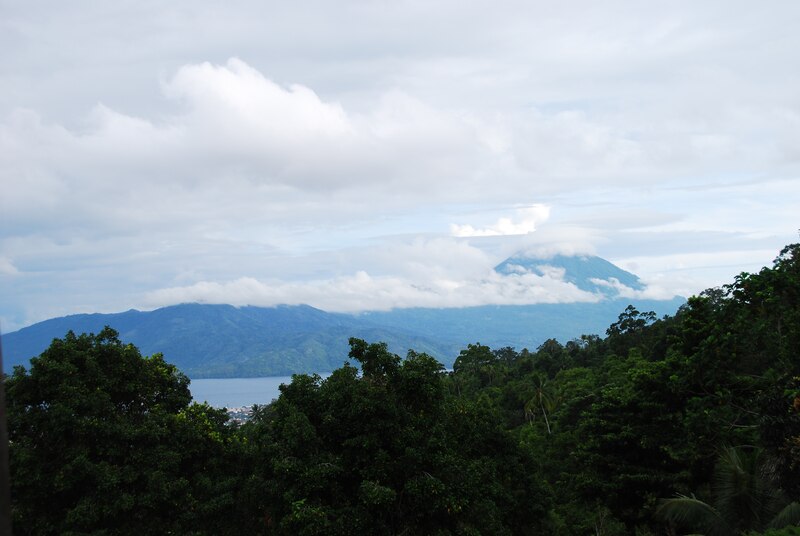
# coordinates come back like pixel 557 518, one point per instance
pixel 225 341
pixel 587 272
pixel 528 326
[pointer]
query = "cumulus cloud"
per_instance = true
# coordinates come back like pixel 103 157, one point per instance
pixel 7 267
pixel 416 272
pixel 336 128
pixel 234 145
pixel 234 114
pixel 649 292
pixel 553 272
pixel 363 292
pixel 429 258
pixel 688 273
pixel 523 222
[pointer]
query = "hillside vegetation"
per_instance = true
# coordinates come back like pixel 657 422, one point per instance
pixel 223 341
pixel 682 424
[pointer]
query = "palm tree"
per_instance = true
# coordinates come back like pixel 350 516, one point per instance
pixel 745 498
pixel 546 398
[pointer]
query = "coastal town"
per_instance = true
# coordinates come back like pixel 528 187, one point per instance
pixel 239 415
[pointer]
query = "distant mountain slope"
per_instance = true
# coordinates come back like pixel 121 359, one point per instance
pixel 226 341
pixel 584 271
pixel 520 326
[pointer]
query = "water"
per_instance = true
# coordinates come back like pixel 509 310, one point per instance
pixel 238 392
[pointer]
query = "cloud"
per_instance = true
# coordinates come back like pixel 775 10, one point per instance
pixel 363 292
pixel 428 258
pixel 413 272
pixel 649 292
pixel 523 222
pixel 688 273
pixel 238 95
pixel 7 267
pixel 652 132
pixel 234 145
pixel 553 272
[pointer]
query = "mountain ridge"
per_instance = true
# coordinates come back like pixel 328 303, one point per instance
pixel 220 340
pixel 584 271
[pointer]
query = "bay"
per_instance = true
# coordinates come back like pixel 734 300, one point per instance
pixel 238 392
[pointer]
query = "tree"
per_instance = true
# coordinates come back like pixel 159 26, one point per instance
pixel 546 399
pixel 630 321
pixel 478 364
pixel 385 452
pixel 105 440
pixel 627 440
pixel 745 498
pixel 629 329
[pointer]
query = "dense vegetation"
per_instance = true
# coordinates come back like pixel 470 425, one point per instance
pixel 223 341
pixel 684 424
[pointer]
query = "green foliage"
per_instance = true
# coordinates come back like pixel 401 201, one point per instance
pixel 103 439
pixel 643 413
pixel 384 453
pixel 745 498
pixel 786 531
pixel 586 437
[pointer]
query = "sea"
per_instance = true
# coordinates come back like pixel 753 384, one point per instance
pixel 238 392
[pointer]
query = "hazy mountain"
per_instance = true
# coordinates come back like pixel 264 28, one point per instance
pixel 520 326
pixel 226 341
pixel 584 271
pixel 528 326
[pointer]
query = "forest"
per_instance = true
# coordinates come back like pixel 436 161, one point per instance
pixel 686 424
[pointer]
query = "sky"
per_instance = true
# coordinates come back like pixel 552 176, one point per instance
pixel 368 155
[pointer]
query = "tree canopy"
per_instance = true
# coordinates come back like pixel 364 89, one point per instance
pixel 105 440
pixel 666 425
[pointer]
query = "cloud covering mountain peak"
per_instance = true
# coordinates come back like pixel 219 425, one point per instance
pixel 587 272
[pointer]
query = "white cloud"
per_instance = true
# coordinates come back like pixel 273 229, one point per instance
pixel 235 112
pixel 652 131
pixel 553 272
pixel 688 273
pixel 423 259
pixel 7 267
pixel 417 272
pixel 523 222
pixel 235 145
pixel 363 292
pixel 649 292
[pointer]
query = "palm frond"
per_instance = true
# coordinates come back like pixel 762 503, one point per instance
pixel 740 492
pixel 790 515
pixel 690 512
